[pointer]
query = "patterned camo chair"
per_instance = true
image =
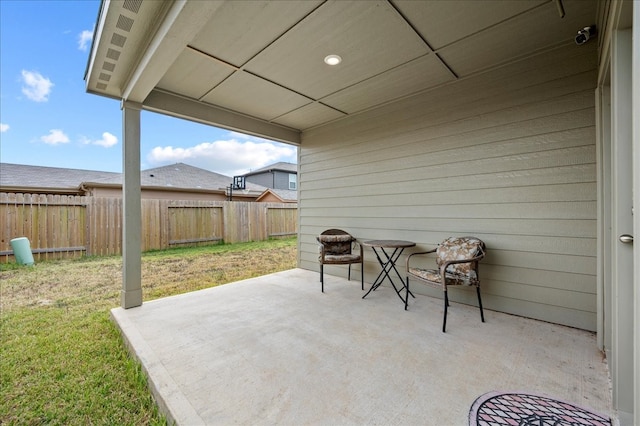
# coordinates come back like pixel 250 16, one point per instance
pixel 457 261
pixel 337 248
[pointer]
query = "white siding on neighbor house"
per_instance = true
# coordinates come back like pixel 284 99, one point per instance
pixel 507 156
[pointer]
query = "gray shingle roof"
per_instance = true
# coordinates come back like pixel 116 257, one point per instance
pixel 179 176
pixel 286 194
pixel 54 178
pixel 281 166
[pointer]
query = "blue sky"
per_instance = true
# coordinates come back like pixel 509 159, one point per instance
pixel 47 118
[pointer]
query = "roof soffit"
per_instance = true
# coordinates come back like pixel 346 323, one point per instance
pixel 182 22
pixel 240 63
pixel 370 36
pixel 122 31
pixel 454 20
pixel 521 36
pixel 241 29
pixel 137 41
pixel 193 74
pixel 254 96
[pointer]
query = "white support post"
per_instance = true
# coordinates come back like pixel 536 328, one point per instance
pixel 131 293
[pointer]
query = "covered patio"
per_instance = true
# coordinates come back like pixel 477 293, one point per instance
pixel 493 119
pixel 275 350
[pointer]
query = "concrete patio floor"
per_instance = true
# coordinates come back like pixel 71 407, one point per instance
pixel 274 350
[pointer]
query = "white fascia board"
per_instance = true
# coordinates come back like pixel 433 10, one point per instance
pixel 97 35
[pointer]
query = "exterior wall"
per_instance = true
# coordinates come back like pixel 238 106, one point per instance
pixel 192 196
pixel 507 155
pixel 104 192
pixel 275 179
pixel 281 180
pixel 270 198
pixel 263 179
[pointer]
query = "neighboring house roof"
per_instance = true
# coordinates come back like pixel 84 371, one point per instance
pixel 284 195
pixel 15 177
pixel 281 166
pixel 179 176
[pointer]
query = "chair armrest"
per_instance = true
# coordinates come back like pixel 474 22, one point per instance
pixel 418 254
pixel 445 265
pixel 358 245
pixel 321 247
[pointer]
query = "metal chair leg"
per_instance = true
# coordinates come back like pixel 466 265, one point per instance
pixel 446 304
pixel 322 277
pixel 349 272
pixel 406 295
pixel 480 304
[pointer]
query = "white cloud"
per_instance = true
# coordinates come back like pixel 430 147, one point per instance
pixel 55 137
pixel 35 86
pixel 4 127
pixel 108 140
pixel 228 157
pixel 84 39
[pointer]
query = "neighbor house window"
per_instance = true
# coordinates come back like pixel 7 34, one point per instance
pixel 293 181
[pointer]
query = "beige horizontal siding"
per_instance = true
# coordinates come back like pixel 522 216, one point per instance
pixel 507 155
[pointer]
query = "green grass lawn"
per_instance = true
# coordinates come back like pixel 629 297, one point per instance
pixel 62 360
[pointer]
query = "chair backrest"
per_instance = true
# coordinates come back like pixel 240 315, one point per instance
pixel 460 248
pixel 336 241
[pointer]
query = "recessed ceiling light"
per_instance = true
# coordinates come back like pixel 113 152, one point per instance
pixel 332 60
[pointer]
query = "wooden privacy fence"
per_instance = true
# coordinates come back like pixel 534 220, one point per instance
pixel 71 226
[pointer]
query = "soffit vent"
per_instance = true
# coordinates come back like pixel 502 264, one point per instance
pixel 118 40
pixel 108 66
pixel 132 5
pixel 113 54
pixel 124 23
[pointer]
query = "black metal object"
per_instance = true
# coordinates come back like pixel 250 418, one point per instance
pixel 446 305
pixel 388 264
pixel 238 183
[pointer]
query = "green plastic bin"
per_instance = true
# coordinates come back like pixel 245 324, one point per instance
pixel 22 251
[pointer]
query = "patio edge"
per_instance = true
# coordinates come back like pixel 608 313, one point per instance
pixel 166 393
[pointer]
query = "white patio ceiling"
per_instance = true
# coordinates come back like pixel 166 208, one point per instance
pixel 257 66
